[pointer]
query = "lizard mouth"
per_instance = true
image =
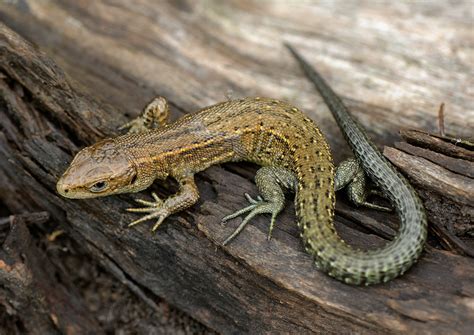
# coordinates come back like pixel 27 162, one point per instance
pixel 63 189
pixel 67 190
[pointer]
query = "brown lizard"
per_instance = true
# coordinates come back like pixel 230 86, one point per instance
pixel 294 156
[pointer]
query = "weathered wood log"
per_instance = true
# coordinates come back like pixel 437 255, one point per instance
pixel 457 165
pixel 252 285
pixel 30 291
pixel 425 140
pixel 448 196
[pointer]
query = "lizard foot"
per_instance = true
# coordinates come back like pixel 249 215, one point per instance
pixel 155 208
pixel 134 126
pixel 271 183
pixel 377 193
pixel 155 115
pixel 257 206
pixel 351 176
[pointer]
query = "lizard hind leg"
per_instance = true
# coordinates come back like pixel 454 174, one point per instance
pixel 155 115
pixel 271 183
pixel 350 175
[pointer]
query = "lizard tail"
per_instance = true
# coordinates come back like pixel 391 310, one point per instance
pixel 331 253
pixel 315 211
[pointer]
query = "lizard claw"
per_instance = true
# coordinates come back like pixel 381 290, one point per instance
pixel 134 126
pixel 156 210
pixel 145 203
pixel 257 206
pixel 158 202
pixel 252 200
pixel 253 204
pixel 380 195
pixel 162 215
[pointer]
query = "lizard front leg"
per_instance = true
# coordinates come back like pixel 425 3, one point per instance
pixel 187 196
pixel 155 115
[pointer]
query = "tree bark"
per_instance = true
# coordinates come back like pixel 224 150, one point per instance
pixel 31 292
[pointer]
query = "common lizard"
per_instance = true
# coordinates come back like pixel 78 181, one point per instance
pixel 294 156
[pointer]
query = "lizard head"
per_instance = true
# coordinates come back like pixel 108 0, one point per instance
pixel 99 170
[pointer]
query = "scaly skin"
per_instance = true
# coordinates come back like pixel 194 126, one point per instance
pixel 339 260
pixel 294 155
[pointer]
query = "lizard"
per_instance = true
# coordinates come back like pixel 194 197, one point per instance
pixel 294 156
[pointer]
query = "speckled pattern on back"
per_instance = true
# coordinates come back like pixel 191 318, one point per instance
pixel 271 133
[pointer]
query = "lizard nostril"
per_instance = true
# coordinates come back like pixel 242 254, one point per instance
pixel 66 190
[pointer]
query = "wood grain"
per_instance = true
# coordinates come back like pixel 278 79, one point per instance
pixel 392 64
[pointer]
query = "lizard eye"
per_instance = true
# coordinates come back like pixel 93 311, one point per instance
pixel 98 187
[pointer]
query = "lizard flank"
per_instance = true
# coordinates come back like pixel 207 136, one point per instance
pixel 294 156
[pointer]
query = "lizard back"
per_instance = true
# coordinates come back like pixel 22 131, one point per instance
pixel 260 130
pixel 274 133
pixel 270 133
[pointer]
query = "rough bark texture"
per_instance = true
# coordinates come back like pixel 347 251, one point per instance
pixel 399 61
pixel 31 292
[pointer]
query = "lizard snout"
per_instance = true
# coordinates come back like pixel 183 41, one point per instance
pixel 62 188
